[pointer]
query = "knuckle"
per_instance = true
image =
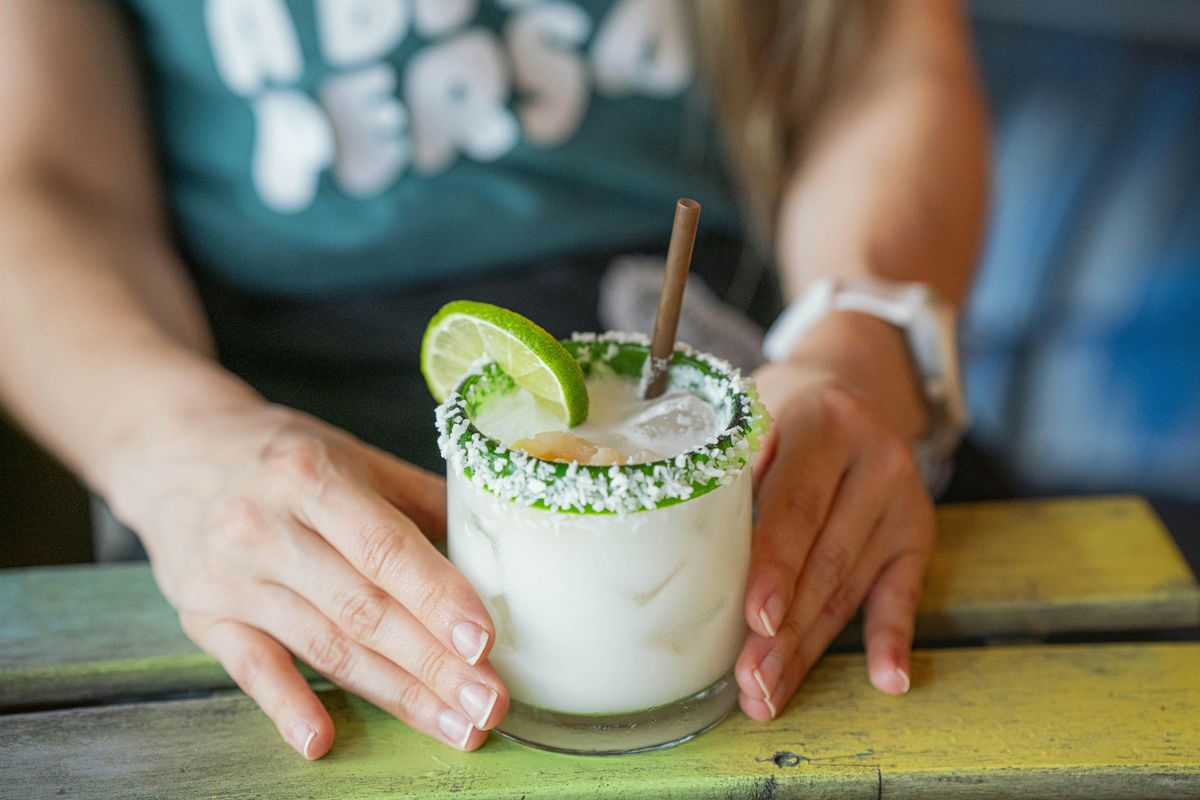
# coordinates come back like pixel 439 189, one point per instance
pixel 239 525
pixel 903 595
pixel 381 552
pixel 249 670
pixel 434 596
pixel 842 605
pixel 329 654
pixel 843 403
pixel 297 454
pixel 831 563
pixel 410 701
pixel 791 631
pixel 804 509
pixel 432 666
pixel 896 459
pixel 361 612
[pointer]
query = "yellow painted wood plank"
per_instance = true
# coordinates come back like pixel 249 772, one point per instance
pixel 1090 721
pixel 1049 566
pixel 80 634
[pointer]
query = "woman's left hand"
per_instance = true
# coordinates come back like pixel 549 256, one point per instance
pixel 843 521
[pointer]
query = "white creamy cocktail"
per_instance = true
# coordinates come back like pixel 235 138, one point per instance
pixel 615 587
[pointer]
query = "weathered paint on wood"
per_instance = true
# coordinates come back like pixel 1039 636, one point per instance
pixel 80 634
pixel 1053 566
pixel 1092 721
pixel 83 633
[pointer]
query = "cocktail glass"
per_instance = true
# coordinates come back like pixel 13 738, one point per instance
pixel 616 591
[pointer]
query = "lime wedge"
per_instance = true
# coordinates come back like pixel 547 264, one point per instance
pixel 464 331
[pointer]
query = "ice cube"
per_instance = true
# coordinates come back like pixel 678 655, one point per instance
pixel 514 415
pixel 497 606
pixel 680 631
pixel 644 456
pixel 673 424
pixel 606 457
pixel 475 528
pixel 476 552
pixel 568 448
pixel 642 598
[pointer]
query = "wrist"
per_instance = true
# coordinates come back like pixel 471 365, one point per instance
pixel 161 402
pixel 872 358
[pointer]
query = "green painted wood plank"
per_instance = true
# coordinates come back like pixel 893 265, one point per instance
pixel 83 633
pixel 1092 721
pixel 70 635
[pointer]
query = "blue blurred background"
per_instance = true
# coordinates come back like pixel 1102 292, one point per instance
pixel 1082 339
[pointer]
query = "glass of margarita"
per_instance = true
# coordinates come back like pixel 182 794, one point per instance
pixel 612 557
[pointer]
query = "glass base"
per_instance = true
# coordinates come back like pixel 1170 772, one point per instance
pixel 619 734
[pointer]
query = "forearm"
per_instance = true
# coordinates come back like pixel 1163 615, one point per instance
pixel 893 186
pixel 100 335
pixel 894 182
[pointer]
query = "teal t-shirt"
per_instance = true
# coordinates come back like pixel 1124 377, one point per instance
pixel 309 145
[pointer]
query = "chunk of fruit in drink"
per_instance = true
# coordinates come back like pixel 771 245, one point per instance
pixel 567 447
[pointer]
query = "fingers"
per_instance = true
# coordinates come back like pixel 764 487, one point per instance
pixel 370 617
pixel 860 504
pixel 793 506
pixel 419 494
pixel 888 623
pixel 264 670
pixel 389 550
pixel 769 669
pixel 888 576
pixel 303 630
pixel 891 606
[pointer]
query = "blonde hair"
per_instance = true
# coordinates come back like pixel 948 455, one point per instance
pixel 770 66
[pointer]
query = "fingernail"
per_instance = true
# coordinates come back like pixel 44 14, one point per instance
pixel 766 698
pixel 455 727
pixel 771 614
pixel 302 738
pixel 766 622
pixel 470 641
pixel 893 681
pixel 478 701
pixel 769 670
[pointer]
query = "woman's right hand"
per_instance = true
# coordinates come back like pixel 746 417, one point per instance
pixel 276 535
pixel 271 532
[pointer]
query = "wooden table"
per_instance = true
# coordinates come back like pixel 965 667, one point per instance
pixel 102 696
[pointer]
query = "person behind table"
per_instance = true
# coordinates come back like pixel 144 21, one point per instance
pixel 226 223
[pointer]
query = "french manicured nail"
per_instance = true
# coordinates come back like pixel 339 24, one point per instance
pixel 455 727
pixel 769 670
pixel 478 701
pixel 771 614
pixel 302 738
pixel 766 698
pixel 767 675
pixel 470 641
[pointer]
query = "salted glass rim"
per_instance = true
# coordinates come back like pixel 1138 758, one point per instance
pixel 538 483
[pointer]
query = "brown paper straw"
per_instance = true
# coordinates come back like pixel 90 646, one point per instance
pixel 679 258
